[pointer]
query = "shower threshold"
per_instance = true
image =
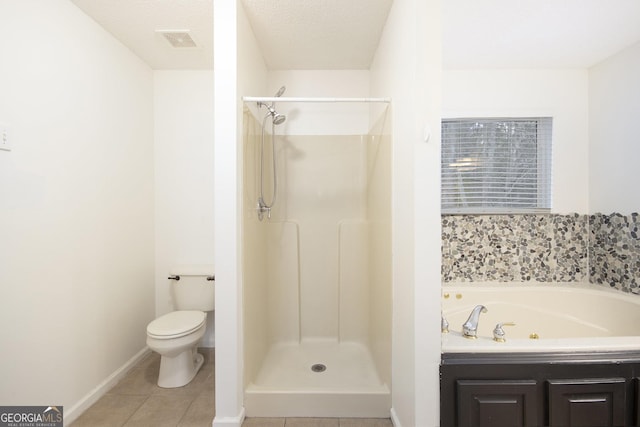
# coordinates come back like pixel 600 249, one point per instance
pixel 319 378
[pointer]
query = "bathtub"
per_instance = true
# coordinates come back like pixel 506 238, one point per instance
pixel 549 318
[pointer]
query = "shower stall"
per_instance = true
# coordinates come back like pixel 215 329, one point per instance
pixel 316 262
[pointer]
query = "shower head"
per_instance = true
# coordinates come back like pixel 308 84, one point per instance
pixel 278 118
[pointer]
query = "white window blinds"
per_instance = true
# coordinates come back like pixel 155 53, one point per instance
pixel 498 165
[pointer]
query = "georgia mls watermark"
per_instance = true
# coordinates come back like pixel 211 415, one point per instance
pixel 31 416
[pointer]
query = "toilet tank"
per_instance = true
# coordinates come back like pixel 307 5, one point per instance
pixel 193 291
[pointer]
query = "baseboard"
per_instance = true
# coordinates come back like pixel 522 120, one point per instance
pixel 70 415
pixel 229 421
pixel 394 418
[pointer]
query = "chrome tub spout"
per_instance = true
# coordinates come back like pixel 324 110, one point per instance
pixel 470 327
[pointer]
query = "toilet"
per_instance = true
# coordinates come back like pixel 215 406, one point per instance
pixel 175 335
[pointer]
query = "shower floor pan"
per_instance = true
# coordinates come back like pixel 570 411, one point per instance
pixel 293 383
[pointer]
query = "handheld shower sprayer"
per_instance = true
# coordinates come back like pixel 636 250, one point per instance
pixel 276 119
pixel 280 91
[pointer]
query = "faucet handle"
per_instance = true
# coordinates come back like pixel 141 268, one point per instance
pixel 498 332
pixel 444 326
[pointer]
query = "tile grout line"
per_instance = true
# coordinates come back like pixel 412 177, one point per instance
pixel 136 411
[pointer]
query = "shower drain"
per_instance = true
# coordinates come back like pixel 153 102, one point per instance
pixel 318 367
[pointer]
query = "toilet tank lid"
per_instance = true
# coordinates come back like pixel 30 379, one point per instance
pixel 176 323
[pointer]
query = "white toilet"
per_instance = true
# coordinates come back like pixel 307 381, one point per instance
pixel 175 336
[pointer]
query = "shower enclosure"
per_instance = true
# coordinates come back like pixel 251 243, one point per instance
pixel 317 269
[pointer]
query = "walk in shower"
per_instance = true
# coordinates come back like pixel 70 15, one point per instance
pixel 317 268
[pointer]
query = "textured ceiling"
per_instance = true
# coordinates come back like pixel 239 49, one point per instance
pixel 293 34
pixel 317 34
pixel 135 24
pixel 344 34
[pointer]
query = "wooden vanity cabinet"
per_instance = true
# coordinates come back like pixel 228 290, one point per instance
pixel 484 403
pixel 588 402
pixel 554 391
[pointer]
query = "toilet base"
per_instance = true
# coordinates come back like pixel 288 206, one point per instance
pixel 178 371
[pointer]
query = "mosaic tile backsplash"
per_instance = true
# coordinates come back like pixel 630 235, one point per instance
pixel 543 248
pixel 614 251
pixel 604 249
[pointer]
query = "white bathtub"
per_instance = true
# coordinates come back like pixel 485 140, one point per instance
pixel 563 317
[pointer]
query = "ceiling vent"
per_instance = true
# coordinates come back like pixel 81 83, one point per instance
pixel 178 38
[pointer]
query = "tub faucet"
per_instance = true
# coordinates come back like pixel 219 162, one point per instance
pixel 470 327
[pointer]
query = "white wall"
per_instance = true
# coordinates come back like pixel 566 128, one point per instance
pixel 427 230
pixel 562 94
pixel 614 109
pixel 76 205
pixel 407 68
pixel 239 70
pixel 184 179
pixel 322 118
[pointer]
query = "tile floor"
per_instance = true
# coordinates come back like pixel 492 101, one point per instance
pixel 137 401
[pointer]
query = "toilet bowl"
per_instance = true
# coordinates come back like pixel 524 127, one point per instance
pixel 176 335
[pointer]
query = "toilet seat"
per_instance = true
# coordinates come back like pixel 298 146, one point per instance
pixel 176 324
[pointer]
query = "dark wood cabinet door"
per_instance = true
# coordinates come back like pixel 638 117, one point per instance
pixel 598 402
pixel 496 403
pixel 636 403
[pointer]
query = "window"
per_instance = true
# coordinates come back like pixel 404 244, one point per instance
pixel 496 165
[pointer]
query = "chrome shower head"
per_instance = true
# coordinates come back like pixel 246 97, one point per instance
pixel 278 118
